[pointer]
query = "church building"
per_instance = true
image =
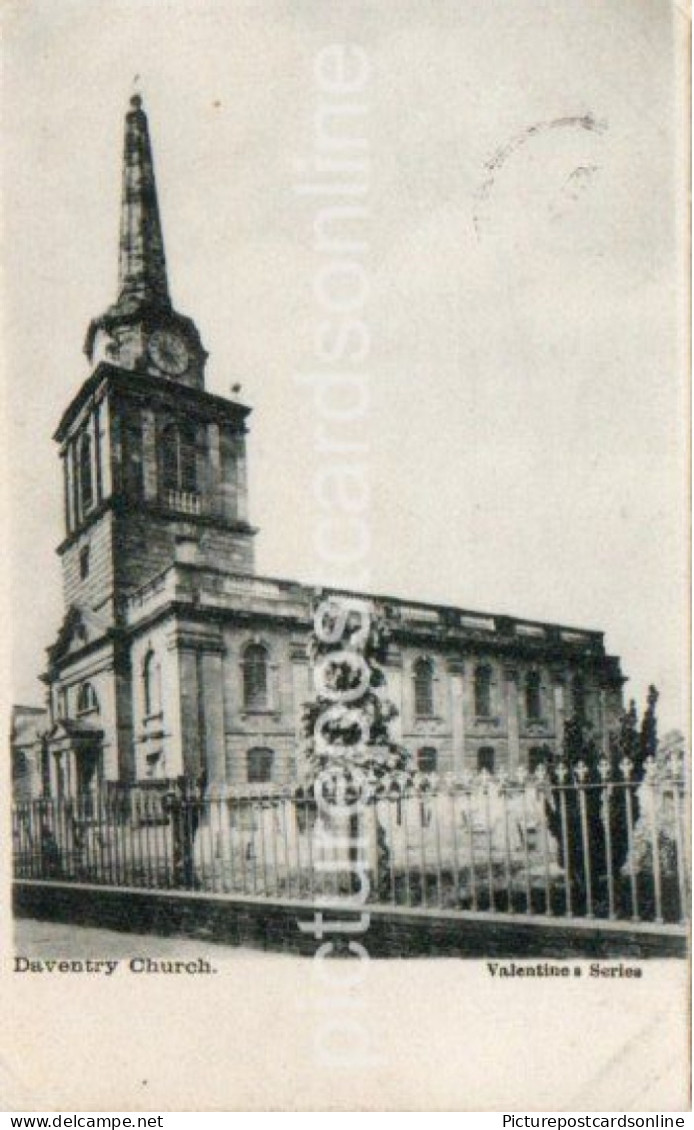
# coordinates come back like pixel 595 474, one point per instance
pixel 174 658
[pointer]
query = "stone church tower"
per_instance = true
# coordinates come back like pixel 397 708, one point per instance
pixel 174 658
pixel 154 471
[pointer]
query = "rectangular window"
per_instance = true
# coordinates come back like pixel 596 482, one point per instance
pixel 485 759
pixel 483 692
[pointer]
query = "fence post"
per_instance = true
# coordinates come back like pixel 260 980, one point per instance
pixel 679 852
pixel 543 786
pixel 626 767
pixel 651 783
pixel 606 789
pixel 523 781
pixel 581 775
pixel 562 774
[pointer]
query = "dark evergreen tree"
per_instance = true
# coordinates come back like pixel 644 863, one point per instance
pixel 593 803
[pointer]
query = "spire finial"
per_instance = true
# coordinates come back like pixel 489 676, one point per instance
pixel 136 96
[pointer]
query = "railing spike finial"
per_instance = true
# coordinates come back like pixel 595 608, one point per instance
pixel 626 766
pixel 540 773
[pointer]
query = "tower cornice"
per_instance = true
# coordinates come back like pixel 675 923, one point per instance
pixel 150 389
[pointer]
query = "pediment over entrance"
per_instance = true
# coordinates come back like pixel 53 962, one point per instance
pixel 79 628
pixel 68 733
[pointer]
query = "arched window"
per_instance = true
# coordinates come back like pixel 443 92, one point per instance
pixel 485 759
pixel 427 759
pixel 423 688
pixel 132 456
pixel 533 698
pixel 255 682
pixel 86 699
pixel 259 765
pixel 578 695
pixel 85 474
pixel 483 691
pixel 178 469
pixel 151 684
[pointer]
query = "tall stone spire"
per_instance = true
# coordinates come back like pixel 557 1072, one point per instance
pixel 142 263
pixel 141 331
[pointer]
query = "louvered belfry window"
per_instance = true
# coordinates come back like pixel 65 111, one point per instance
pixel 178 458
pixel 85 472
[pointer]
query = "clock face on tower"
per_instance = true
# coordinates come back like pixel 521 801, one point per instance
pixel 169 352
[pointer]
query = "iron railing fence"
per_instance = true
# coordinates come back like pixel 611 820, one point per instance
pixel 573 844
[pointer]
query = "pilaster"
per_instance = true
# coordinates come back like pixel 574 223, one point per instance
pixel 457 706
pixel 559 694
pixel 149 454
pixel 511 677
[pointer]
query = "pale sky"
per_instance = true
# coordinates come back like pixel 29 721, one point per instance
pixel 526 437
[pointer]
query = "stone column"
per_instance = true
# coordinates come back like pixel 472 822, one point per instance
pixel 559 709
pixel 188 681
pixel 72 456
pixel 108 708
pixel 602 723
pixel 105 448
pixel 241 481
pixel 393 673
pixel 124 676
pixel 301 691
pixel 512 720
pixel 149 455
pixel 116 448
pixel 213 467
pixel 456 691
pixel 212 715
pixel 68 500
pixel 96 443
pixel 202 703
pixel 171 676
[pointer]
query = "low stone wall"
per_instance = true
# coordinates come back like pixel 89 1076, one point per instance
pixel 392 931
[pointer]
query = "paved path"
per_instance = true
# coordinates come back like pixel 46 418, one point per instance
pixel 61 940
